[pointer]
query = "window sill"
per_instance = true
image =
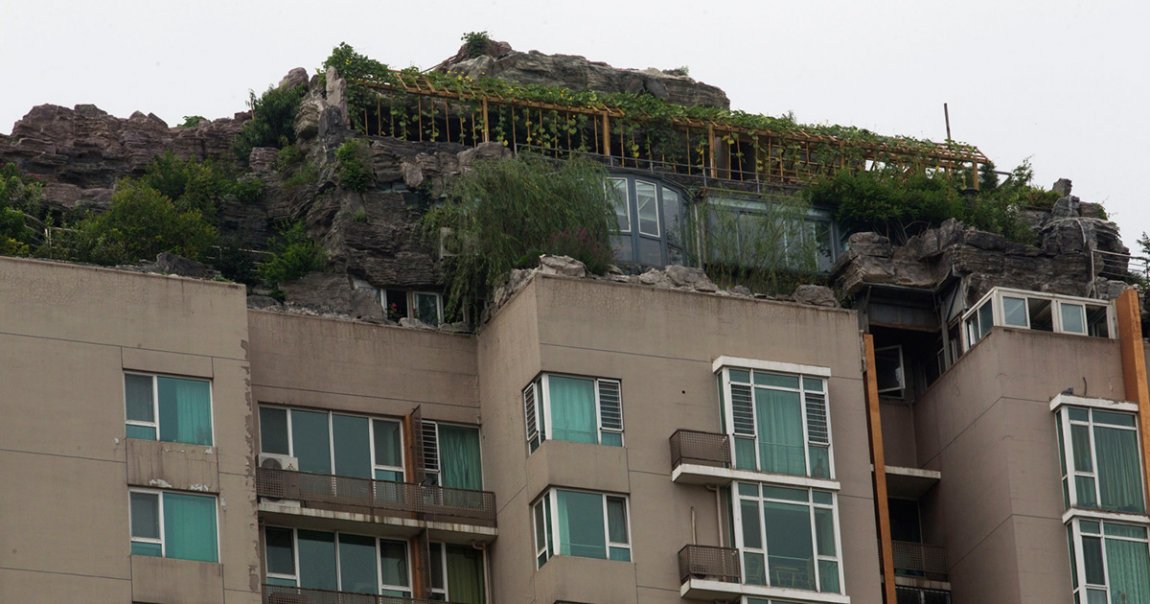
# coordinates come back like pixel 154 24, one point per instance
pixel 708 589
pixel 700 474
pixel 1128 517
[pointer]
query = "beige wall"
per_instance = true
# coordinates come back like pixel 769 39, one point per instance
pixel 661 345
pixel 67 334
pixel 986 426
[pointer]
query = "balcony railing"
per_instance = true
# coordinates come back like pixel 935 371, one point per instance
pixel 279 594
pixel 709 562
pixel 915 595
pixel 702 448
pixel 919 560
pixel 363 495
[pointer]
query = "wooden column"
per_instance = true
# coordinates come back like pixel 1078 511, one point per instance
pixel 1134 368
pixel 606 135
pixel 878 459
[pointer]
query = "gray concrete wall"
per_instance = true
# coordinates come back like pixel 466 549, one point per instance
pixel 661 345
pixel 67 334
pixel 987 426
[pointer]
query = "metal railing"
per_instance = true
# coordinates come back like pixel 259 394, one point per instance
pixel 280 594
pixel 709 562
pixel 363 495
pixel 702 448
pixel 916 595
pixel 919 560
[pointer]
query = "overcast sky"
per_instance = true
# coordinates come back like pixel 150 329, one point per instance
pixel 1064 83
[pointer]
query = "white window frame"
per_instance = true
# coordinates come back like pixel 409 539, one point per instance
pixel 900 371
pixel 548 505
pixel 159 495
pixel 1074 527
pixel 155 423
pixel 442 562
pixel 331 438
pixel 657 200
pixel 995 297
pixel 380 585
pixel 737 516
pixel 613 183
pixel 439 453
pixel 722 367
pixel 411 308
pixel 541 390
pixel 1061 406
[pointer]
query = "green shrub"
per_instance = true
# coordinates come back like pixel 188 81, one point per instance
pixel 273 120
pixel 294 255
pixel 510 211
pixel 20 212
pixel 475 43
pixel 191 121
pixel 196 185
pixel 355 68
pixel 354 166
pixel 141 223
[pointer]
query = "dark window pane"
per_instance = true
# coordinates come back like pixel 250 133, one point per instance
pixel 581 524
pixel 352 445
pixel 312 441
pixel 317 560
pixel 146 515
pixel 273 431
pixel 357 564
pixel 280 551
pixel 138 397
pixel 791 553
pixel 393 563
pixel 388 443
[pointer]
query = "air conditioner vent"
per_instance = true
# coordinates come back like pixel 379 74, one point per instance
pixel 277 461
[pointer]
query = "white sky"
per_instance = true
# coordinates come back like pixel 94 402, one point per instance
pixel 1066 83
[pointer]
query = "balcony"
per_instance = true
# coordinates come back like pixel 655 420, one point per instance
pixel 404 505
pixel 700 457
pixel 279 594
pixel 918 595
pixel 708 572
pixel 919 560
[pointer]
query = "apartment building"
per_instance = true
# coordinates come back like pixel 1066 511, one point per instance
pixel 593 442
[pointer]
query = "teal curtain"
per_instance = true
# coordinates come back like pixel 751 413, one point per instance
pixel 185 411
pixel 464 574
pixel 190 527
pixel 790 559
pixel 459 462
pixel 1119 470
pixel 357 564
pixel 573 409
pixel 352 440
pixel 581 524
pixel 780 431
pixel 1128 563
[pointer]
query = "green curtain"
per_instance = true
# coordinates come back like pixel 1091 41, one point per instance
pixel 459 462
pixel 790 559
pixel 1119 471
pixel 780 431
pixel 464 574
pixel 581 524
pixel 573 409
pixel 1128 563
pixel 190 527
pixel 185 411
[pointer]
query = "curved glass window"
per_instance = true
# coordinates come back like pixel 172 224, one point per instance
pixel 651 220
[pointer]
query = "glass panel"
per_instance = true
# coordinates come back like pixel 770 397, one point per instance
pixel 672 209
pixel 622 554
pixel 611 439
pixel 754 569
pixel 749 488
pixel 185 410
pixel 144 432
pixel 780 431
pixel 581 524
pixel 823 497
pixel 829 576
pixel 317 560
pixel 741 376
pixel 1040 314
pixel 573 409
pixel 1092 560
pixel 357 564
pixel 651 252
pixel 1096 596
pixel 1119 469
pixel 825 531
pixel 1114 419
pixel 465 574
pixel 985 319
pixel 791 553
pixel 617 520
pixel 280 551
pixel 745 453
pixel 393 563
pixel 388 443
pixel 138 397
pixel 777 380
pixel 820 461
pixel 190 527
pixel 281 582
pixel 147 549
pixel 1124 530
pixel 647 208
pixel 618 191
pixel 622 247
pixel 1097 323
pixel 1014 311
pixel 1087 495
pixel 812 384
pixel 1090 527
pixel 1128 566
pixel 459 462
pixel 1080 443
pixel 427 308
pixel 273 431
pixel 1073 317
pixel 145 508
pixel 312 441
pixel 1078 414
pixel 540 527
pixel 352 446
pixel 436 554
pixel 752 533
pixel 785 493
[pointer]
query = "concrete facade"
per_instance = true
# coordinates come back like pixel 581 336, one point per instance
pixel 69 333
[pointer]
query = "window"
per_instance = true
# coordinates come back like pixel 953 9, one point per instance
pixel 171 409
pixel 768 232
pixel 788 537
pixel 779 421
pixel 336 562
pixel 579 523
pixel 889 370
pixel 424 306
pixel 617 189
pixel 334 443
pixel 650 221
pixel 1110 562
pixel 564 407
pixel 173 525
pixel 1100 460
pixel 457 574
pixel 1039 312
pixel 451 456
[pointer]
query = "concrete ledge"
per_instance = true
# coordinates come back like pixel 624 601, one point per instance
pixel 574 579
pixel 170 580
pixel 290 514
pixel 706 589
pixel 561 463
pixel 164 465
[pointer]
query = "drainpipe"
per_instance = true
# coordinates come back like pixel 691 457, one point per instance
pixel 718 513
